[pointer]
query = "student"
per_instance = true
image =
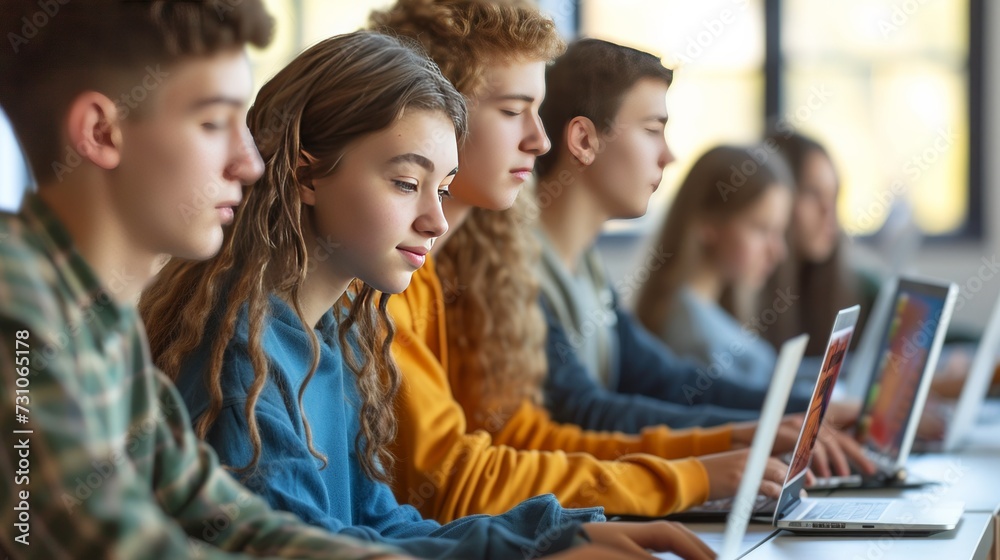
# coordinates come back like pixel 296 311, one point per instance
pixel 816 269
pixel 359 135
pixel 496 53
pixel 603 368
pixel 724 240
pixel 131 115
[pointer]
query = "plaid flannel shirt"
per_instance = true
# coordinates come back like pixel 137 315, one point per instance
pixel 98 456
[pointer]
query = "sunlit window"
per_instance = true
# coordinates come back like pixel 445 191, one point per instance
pixel 884 84
pixel 889 84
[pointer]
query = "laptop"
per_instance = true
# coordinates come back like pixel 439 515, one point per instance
pixel 741 506
pixel 853 515
pixel 773 409
pixel 898 381
pixel 744 502
pixel 977 385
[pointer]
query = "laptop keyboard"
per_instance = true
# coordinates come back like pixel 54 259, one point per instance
pixel 854 511
pixel 762 505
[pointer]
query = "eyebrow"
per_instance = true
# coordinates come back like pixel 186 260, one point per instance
pixel 515 97
pixel 411 157
pixel 220 99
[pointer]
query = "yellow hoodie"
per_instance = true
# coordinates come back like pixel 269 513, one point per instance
pixel 447 472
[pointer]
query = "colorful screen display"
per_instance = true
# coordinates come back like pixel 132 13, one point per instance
pixel 900 362
pixel 832 362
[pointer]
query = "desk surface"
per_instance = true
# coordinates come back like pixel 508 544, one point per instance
pixel 971 539
pixel 970 478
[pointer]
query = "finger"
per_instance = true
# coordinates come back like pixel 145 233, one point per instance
pixel 821 463
pixel 838 460
pixel 810 477
pixel 687 545
pixel 598 552
pixel 854 452
pixel 707 550
pixel 770 489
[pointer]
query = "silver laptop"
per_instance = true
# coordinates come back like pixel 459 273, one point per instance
pixel 977 384
pixel 744 502
pixel 780 387
pixel 741 507
pixel 899 379
pixel 852 515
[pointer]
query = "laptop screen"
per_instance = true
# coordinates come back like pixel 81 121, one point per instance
pixel 900 363
pixel 833 360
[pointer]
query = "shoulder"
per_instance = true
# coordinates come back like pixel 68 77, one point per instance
pixel 29 281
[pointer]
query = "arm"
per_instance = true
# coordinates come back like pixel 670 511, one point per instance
pixel 573 396
pixel 103 485
pixel 447 472
pixel 288 478
pixel 657 372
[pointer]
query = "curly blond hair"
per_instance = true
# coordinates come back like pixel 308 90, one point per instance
pixel 495 324
pixel 487 265
pixel 466 37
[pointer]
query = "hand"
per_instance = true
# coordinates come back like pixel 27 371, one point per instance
pixel 658 536
pixel 725 470
pixel 835 450
pixel 950 377
pixel 784 439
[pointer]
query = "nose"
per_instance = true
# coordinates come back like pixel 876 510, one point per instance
pixel 535 141
pixel 666 155
pixel 245 164
pixel 431 222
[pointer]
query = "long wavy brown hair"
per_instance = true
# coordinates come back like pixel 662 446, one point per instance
pixel 487 264
pixel 331 95
pixel 708 193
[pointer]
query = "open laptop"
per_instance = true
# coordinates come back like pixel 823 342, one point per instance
pixel 853 515
pixel 977 384
pixel 785 369
pixel 742 505
pixel 900 377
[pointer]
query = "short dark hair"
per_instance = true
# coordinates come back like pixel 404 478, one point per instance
pixel 58 49
pixel 590 80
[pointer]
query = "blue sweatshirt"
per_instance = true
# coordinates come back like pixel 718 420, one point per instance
pixel 340 497
pixel 653 386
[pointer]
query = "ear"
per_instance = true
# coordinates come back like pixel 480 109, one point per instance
pixel 582 140
pixel 307 192
pixel 94 129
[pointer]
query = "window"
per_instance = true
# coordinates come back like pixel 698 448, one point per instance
pixel 890 87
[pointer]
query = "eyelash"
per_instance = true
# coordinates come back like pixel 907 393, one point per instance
pixel 405 186
pixel 510 113
pixel 211 126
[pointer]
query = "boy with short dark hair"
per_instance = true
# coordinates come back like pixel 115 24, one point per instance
pixel 132 115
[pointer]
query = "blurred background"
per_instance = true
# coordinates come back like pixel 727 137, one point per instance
pixel 898 90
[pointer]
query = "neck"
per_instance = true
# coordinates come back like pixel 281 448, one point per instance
pixel 122 267
pixel 573 218
pixel 323 286
pixel 706 282
pixel 455 213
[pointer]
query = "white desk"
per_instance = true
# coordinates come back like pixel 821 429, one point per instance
pixel 971 478
pixel 971 539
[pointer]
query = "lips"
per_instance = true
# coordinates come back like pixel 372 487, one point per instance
pixel 414 255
